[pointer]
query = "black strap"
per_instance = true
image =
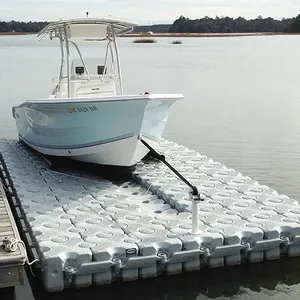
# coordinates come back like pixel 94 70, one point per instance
pixel 162 158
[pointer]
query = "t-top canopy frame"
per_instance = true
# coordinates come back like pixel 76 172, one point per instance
pixel 84 26
pixel 86 29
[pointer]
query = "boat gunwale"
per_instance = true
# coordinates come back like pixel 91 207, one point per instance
pixel 163 97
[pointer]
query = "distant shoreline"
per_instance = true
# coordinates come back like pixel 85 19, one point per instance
pixel 178 35
pixel 182 35
pixel 17 33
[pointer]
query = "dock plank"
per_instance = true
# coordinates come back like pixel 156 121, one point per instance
pixel 5 234
pixel 11 263
pixel 3 218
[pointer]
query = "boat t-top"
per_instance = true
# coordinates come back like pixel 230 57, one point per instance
pixel 87 117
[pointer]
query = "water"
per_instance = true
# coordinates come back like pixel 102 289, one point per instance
pixel 241 108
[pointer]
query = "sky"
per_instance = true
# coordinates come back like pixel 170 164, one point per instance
pixel 145 11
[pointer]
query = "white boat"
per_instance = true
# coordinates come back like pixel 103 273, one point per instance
pixel 87 117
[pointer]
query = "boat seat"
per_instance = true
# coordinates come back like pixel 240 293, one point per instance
pixel 97 84
pixel 95 68
pixel 82 86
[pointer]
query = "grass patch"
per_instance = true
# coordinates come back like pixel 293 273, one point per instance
pixel 146 41
pixel 177 42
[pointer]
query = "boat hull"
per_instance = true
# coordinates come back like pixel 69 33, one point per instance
pixel 103 131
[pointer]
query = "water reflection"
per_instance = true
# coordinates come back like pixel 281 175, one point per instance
pixel 239 109
pixel 272 279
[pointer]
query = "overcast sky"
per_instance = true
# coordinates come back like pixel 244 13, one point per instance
pixel 141 11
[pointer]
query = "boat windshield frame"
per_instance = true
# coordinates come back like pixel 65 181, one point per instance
pixel 113 28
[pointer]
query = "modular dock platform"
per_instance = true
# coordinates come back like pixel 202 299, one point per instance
pixel 11 263
pixel 86 230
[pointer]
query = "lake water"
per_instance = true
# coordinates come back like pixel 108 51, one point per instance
pixel 241 108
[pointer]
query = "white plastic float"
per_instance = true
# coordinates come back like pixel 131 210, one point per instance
pixel 87 230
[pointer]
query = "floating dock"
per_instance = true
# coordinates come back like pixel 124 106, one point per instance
pixel 11 263
pixel 86 230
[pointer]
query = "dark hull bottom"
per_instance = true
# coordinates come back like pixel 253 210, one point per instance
pixel 105 171
pixel 63 164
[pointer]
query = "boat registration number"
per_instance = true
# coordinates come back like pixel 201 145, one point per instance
pixel 71 110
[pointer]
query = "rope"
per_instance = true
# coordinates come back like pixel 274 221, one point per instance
pixel 11 245
pixel 67 175
pixel 154 182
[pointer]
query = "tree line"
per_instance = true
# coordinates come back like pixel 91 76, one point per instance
pixel 186 25
pixel 14 26
pixel 294 26
pixel 238 25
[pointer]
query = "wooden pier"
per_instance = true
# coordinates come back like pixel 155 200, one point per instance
pixel 11 263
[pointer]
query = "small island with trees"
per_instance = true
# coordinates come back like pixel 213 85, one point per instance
pixel 183 25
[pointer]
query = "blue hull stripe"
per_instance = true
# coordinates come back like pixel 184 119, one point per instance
pixel 78 146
